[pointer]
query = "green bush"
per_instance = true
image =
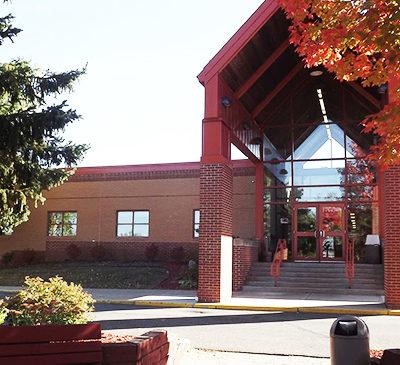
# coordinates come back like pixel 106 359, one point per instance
pixel 8 258
pixel 49 302
pixel 190 276
pixel 3 312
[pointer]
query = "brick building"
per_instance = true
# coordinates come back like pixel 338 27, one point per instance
pixel 131 212
pixel 314 188
pixel 306 182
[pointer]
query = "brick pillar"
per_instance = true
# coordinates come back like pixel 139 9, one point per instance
pixel 391 227
pixel 391 222
pixel 216 197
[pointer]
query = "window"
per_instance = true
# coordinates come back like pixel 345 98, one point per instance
pixel 62 224
pixel 196 223
pixel 133 223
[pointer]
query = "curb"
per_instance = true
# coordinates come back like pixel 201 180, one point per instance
pixel 316 310
pixel 309 310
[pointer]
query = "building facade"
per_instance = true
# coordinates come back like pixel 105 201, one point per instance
pixel 307 180
pixel 128 213
pixel 302 130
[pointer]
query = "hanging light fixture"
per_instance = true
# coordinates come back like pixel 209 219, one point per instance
pixel 316 73
pixel 226 102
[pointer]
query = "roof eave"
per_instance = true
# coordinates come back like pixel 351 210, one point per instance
pixel 239 40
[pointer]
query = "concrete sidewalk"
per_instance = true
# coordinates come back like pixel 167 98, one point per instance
pixel 201 357
pixel 301 303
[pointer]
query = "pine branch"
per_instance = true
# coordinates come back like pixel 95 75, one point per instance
pixel 7 31
pixel 31 134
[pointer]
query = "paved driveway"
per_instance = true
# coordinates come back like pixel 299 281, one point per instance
pixel 242 331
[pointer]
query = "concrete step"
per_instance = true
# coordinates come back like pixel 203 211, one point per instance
pixel 311 275
pixel 326 268
pixel 340 284
pixel 345 291
pixel 316 277
pixel 318 269
pixel 264 278
pixel 317 264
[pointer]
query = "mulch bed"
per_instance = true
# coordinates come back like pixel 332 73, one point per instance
pixel 376 353
pixel 110 338
pixel 174 275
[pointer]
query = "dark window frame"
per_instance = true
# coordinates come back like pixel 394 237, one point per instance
pixel 196 225
pixel 133 224
pixel 62 212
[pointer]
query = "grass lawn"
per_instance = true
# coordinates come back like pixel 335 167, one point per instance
pixel 91 275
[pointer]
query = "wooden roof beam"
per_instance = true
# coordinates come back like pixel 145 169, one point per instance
pixel 364 93
pixel 292 73
pixel 300 85
pixel 262 69
pixel 360 101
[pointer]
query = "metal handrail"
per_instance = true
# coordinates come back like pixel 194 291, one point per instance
pixel 278 258
pixel 350 265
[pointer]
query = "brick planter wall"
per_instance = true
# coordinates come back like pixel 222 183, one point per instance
pixel 391 226
pixel 124 251
pixel 150 349
pixel 245 253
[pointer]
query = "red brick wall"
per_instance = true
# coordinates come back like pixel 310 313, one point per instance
pixel 124 251
pixel 245 253
pixel 170 192
pixel 391 228
pixel 216 196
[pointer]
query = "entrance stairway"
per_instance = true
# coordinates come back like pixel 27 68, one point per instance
pixel 314 277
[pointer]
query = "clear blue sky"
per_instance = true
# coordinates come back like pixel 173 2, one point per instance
pixel 140 100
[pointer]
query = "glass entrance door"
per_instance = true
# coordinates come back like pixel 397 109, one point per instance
pixel 319 231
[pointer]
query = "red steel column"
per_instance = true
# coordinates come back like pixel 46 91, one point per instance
pixel 216 197
pixel 260 206
pixel 391 227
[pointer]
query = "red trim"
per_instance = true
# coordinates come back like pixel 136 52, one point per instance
pixel 319 239
pixel 239 40
pixel 151 167
pixel 157 171
pixel 136 168
pixel 260 204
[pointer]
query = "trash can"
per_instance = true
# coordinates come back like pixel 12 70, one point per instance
pixel 349 342
pixel 373 249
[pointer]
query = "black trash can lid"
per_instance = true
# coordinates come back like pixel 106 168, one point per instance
pixel 346 328
pixel 350 326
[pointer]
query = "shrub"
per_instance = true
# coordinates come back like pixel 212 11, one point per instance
pixel 100 253
pixel 49 302
pixel 178 254
pixel 3 312
pixel 151 252
pixel 190 276
pixel 73 251
pixel 8 258
pixel 27 257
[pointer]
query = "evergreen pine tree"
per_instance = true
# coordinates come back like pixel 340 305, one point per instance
pixel 34 156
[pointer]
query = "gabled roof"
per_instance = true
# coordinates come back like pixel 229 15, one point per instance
pixel 239 40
